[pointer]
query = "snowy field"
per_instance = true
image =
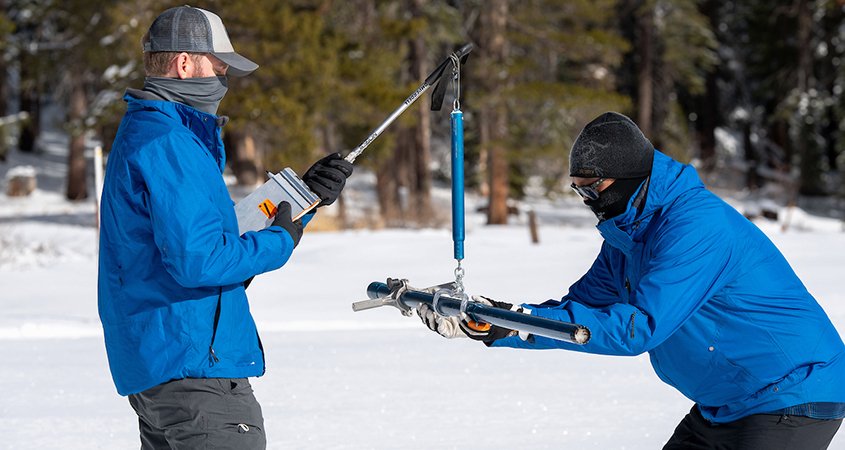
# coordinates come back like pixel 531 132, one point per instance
pixel 343 380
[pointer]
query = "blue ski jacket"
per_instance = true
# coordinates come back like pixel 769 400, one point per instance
pixel 172 264
pixel 722 315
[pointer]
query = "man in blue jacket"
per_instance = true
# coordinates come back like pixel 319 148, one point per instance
pixel 685 277
pixel 179 335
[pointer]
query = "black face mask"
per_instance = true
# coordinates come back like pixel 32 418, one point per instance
pixel 613 201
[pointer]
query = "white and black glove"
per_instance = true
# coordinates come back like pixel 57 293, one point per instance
pixel 446 326
pixel 453 326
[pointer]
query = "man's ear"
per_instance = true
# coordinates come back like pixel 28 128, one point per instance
pixel 183 66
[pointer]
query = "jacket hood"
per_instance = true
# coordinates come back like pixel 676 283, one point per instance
pixel 669 180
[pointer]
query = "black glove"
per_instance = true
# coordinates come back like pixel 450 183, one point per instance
pixel 283 219
pixel 327 177
pixel 485 332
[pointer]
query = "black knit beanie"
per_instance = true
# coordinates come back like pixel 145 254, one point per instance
pixel 611 146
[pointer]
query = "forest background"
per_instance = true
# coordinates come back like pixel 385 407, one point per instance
pixel 751 92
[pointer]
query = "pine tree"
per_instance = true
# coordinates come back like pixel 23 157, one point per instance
pixel 27 45
pixel 673 51
pixel 7 28
pixel 278 109
pixel 130 20
pixel 389 48
pixel 76 53
pixel 369 70
pixel 493 113
pixel 555 72
pixel 793 82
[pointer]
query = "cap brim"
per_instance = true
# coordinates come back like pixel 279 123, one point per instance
pixel 238 65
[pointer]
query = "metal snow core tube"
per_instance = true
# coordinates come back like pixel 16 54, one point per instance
pixel 458 233
pixel 540 326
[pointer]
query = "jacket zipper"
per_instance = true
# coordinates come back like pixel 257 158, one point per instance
pixel 212 357
pixel 263 358
pixel 634 314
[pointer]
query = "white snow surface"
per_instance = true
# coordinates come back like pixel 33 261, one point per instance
pixel 368 380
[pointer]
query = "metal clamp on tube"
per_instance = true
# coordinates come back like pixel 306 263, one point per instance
pixel 383 295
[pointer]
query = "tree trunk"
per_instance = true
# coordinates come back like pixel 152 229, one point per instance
pixel 752 177
pixel 779 132
pixel 809 145
pixel 4 102
pixel 709 102
pixel 389 166
pixel 494 116
pixel 645 71
pixel 388 193
pixel 805 57
pixel 4 85
pixel 707 123
pixel 330 145
pixel 77 186
pixel 419 186
pixel 403 173
pixel 244 157
pixel 498 170
pixel 30 102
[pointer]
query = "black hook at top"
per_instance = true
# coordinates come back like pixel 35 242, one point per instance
pixel 439 91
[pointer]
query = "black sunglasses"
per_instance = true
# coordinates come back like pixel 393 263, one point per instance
pixel 588 191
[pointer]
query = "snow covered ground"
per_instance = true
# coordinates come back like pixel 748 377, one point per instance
pixel 343 380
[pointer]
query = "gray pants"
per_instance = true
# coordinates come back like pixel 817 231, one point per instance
pixel 198 413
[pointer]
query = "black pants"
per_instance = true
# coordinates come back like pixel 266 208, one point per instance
pixel 197 413
pixel 755 432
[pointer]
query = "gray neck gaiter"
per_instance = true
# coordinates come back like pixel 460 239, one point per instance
pixel 203 93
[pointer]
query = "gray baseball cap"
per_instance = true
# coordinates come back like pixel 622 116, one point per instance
pixel 195 30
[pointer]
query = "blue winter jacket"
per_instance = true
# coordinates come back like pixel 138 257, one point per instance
pixel 722 315
pixel 172 265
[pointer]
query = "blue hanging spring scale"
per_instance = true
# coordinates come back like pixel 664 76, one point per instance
pixel 458 232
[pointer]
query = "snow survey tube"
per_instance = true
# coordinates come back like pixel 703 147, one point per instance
pixel 540 326
pixel 458 233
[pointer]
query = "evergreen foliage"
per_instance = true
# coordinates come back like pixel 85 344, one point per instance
pixel 791 54
pixel 770 73
pixel 284 103
pixel 564 55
